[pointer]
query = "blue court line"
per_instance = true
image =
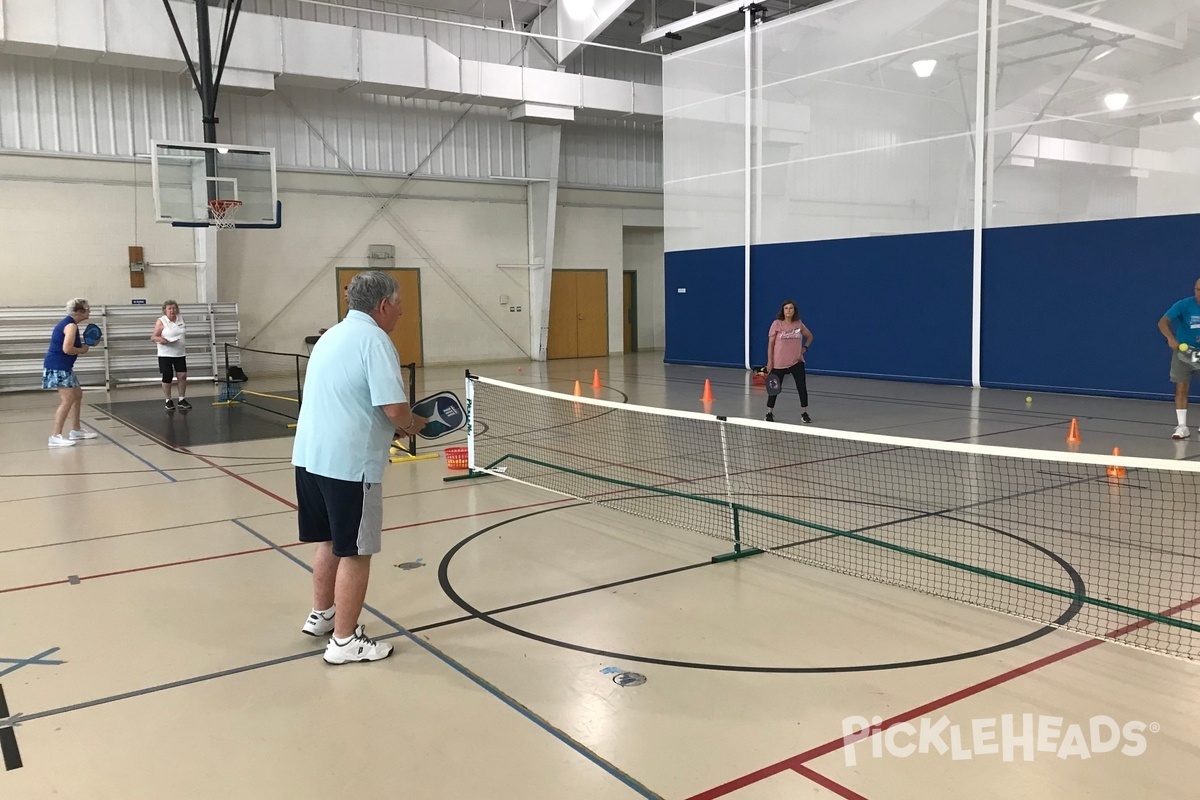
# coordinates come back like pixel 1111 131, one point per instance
pixel 135 455
pixel 488 687
pixel 39 659
pixel 51 712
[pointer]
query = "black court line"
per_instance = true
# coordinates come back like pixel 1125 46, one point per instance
pixel 488 687
pixel 400 631
pixel 8 738
pixel 484 616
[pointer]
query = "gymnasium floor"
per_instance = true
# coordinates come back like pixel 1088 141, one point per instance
pixel 151 599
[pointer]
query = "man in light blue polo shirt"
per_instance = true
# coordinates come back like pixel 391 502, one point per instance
pixel 353 404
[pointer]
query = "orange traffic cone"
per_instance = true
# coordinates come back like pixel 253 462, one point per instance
pixel 707 397
pixel 1073 434
pixel 596 379
pixel 578 393
pixel 1114 470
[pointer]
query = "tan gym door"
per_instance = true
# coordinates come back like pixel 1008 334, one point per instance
pixel 407 336
pixel 578 313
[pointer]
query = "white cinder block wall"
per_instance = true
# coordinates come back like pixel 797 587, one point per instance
pixel 644 254
pixel 66 223
pixel 455 233
pixel 74 194
pixel 591 233
pixel 65 229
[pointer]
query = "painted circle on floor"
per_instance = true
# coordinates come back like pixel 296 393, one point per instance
pixel 1076 580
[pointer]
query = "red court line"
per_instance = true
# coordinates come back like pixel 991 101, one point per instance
pixel 33 586
pixel 292 505
pixel 264 549
pixel 174 563
pixel 796 763
pixel 83 578
pixel 244 480
pixel 821 780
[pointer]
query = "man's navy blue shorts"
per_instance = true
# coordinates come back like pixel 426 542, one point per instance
pixel 347 513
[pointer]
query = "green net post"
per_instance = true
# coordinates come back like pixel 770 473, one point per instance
pixel 738 550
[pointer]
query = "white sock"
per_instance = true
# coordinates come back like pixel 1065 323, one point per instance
pixel 327 613
pixel 1181 415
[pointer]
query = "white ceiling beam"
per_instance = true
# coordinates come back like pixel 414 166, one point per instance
pixel 701 18
pixel 1095 22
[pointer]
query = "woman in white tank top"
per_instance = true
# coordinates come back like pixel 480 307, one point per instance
pixel 170 333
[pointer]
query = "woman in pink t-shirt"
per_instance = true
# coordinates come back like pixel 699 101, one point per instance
pixel 786 343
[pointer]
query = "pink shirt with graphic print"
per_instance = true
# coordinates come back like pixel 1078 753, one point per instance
pixel 789 343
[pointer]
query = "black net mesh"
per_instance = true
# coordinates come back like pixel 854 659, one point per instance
pixel 1034 534
pixel 267 380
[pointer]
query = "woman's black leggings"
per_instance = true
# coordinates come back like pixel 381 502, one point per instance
pixel 797 372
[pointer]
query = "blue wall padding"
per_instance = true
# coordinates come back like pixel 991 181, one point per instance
pixel 1069 307
pixel 1075 306
pixel 706 323
pixel 885 306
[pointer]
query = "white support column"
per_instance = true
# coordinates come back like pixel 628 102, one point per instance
pixel 748 200
pixel 206 264
pixel 985 101
pixel 542 148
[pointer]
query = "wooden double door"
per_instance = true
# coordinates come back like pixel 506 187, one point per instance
pixel 578 313
pixel 407 335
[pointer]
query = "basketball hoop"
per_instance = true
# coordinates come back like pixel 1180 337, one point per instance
pixel 223 213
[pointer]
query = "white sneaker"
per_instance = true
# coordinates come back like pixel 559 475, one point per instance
pixel 1181 432
pixel 58 440
pixel 358 648
pixel 318 624
pixel 82 434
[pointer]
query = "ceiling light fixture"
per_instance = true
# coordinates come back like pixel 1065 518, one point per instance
pixel 1115 101
pixel 578 9
pixel 924 68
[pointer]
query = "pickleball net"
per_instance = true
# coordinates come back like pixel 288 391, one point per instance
pixel 267 380
pixel 1050 537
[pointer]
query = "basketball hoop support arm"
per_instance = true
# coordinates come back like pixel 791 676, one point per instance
pixel 207 84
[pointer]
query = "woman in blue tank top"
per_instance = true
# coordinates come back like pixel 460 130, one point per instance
pixel 58 372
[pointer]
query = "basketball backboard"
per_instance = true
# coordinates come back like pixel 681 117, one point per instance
pixel 188 176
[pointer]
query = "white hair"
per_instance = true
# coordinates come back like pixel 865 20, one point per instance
pixel 77 304
pixel 367 289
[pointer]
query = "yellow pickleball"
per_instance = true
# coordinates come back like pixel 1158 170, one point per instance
pixel 1183 348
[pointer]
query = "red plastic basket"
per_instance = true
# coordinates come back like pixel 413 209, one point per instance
pixel 456 457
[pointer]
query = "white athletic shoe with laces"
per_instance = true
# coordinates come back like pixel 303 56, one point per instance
pixel 61 441
pixel 81 434
pixel 1181 432
pixel 357 648
pixel 318 624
